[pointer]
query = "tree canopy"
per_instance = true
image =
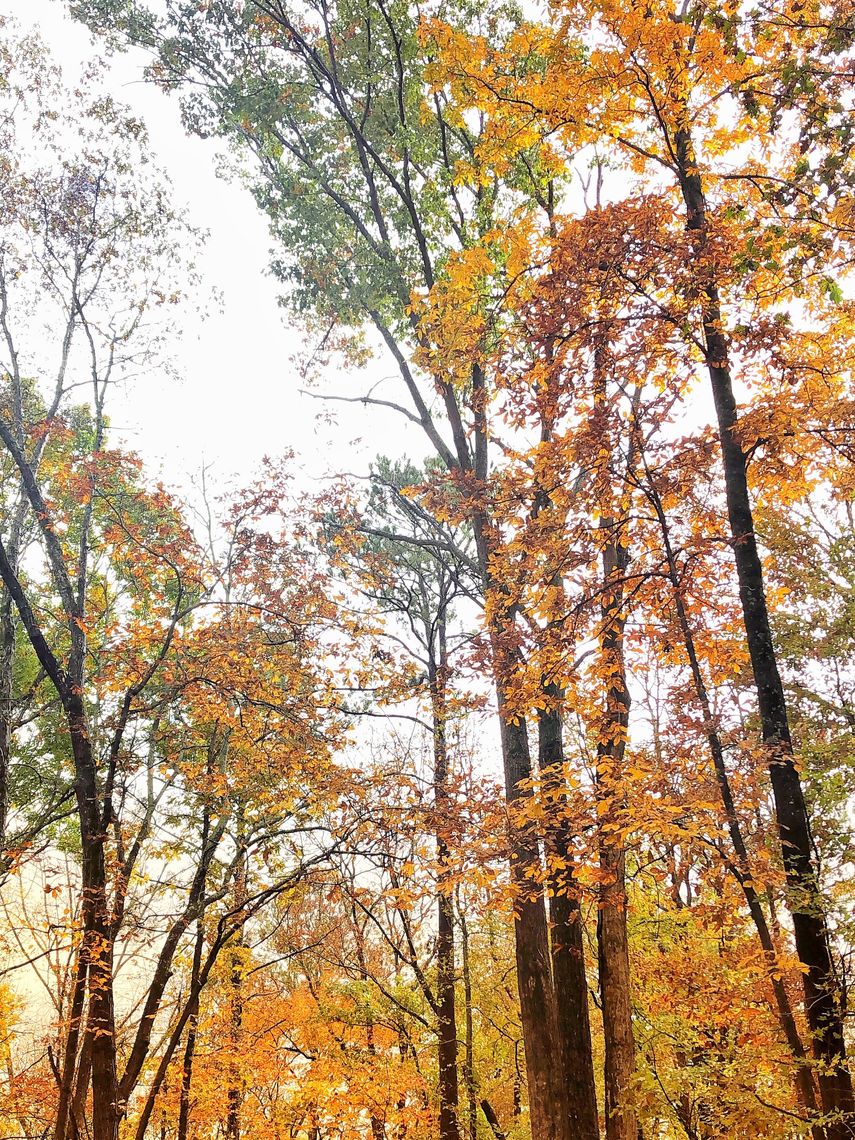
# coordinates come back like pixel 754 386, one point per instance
pixel 502 791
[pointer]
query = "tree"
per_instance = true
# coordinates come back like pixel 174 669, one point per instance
pixel 365 230
pixel 593 248
pixel 422 589
pixel 109 598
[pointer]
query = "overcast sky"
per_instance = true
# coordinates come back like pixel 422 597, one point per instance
pixel 237 398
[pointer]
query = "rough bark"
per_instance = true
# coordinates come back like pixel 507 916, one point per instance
pixel 612 939
pixel 566 933
pixel 79 1127
pixel 97 928
pixel 548 1103
pixel 613 951
pixel 538 1013
pixel 567 941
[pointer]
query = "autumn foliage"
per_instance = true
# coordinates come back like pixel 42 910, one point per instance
pixel 503 790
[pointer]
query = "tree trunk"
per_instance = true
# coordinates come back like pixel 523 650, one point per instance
pixel 548 1105
pixel 613 948
pixel 158 1081
pixel 7 656
pixel 469 1036
pixel 97 932
pixel 567 941
pixel 78 1125
pixel 566 933
pixel 447 1046
pixel 612 934
pixel 547 1095
pixel 190 1045
pixel 234 1093
pixel 449 1127
pixel 8 638
pixel 823 998
pixel 70 1049
pixel 195 972
pixel 492 1120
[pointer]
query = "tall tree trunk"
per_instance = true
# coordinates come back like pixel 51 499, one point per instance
pixel 447 1047
pixel 8 638
pixel 612 933
pixel 550 1116
pixel 612 939
pixel 449 1127
pixel 567 935
pixel 97 930
pixel 619 1040
pixel 469 1033
pixel 195 971
pixel 7 656
pixel 823 998
pixel 190 1044
pixel 234 1094
pixel 492 1120
pixel 95 960
pixel 67 1069
pixel 548 1104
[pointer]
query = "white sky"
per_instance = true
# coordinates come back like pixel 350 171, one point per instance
pixel 237 398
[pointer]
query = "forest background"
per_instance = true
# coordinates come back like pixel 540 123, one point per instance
pixel 454 738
